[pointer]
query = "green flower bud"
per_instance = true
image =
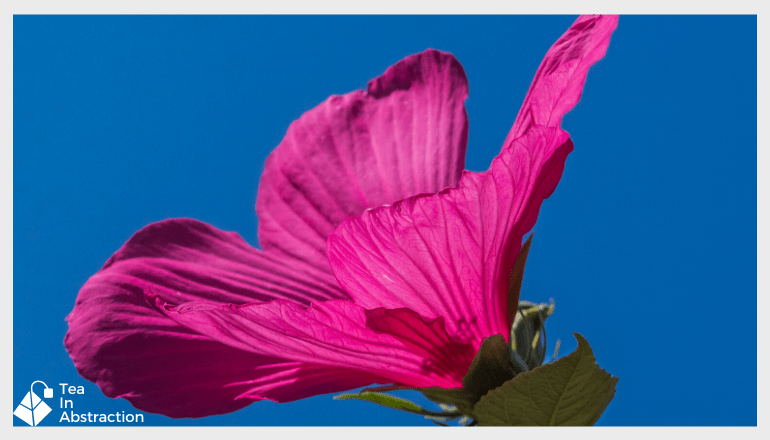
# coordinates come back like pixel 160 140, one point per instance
pixel 528 339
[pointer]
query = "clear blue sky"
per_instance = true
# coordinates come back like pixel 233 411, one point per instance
pixel 648 244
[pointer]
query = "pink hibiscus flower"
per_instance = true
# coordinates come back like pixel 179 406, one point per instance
pixel 382 262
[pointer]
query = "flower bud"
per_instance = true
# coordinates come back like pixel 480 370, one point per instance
pixel 528 339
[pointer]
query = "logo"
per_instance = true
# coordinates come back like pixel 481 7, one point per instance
pixel 32 408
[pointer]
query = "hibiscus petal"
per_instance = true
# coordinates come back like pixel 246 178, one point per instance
pixel 290 381
pixel 192 260
pixel 164 368
pixel 559 80
pixel 396 346
pixel 450 255
pixel 121 343
pixel 405 135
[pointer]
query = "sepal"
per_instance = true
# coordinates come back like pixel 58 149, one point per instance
pixel 398 403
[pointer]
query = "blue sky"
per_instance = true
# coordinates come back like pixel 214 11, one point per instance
pixel 648 245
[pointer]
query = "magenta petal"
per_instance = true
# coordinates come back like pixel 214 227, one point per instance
pixel 559 80
pixel 405 135
pixel 119 341
pixel 190 260
pixel 291 381
pixel 385 345
pixel 449 255
pixel 429 339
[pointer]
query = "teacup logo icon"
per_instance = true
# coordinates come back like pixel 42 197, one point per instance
pixel 32 408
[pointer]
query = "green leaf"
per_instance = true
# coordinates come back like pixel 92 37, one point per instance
pixel 572 391
pixel 392 402
pixel 516 277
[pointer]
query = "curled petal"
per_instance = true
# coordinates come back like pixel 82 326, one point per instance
pixel 405 135
pixel 449 255
pixel 395 346
pixel 130 350
pixel 559 80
